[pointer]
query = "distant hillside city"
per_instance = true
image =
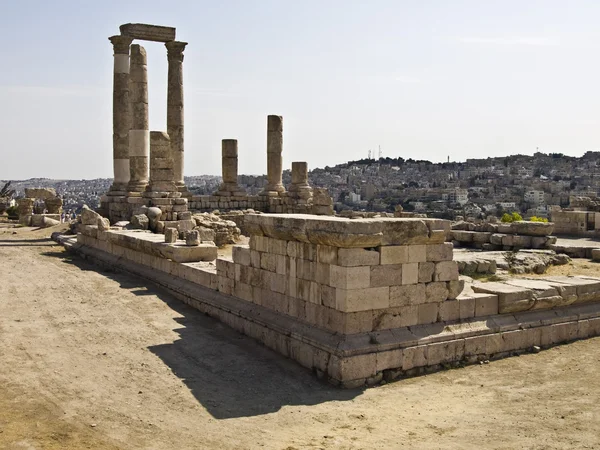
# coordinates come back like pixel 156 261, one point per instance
pixel 530 185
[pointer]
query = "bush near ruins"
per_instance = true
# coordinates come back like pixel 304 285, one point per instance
pixel 509 218
pixel 13 213
pixel 511 259
pixel 538 219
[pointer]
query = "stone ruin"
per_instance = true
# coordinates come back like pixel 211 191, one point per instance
pixel 489 236
pixel 148 165
pixel 40 207
pixel 357 301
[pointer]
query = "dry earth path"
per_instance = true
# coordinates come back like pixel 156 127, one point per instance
pixel 101 360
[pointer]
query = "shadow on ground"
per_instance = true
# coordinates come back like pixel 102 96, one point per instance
pixel 230 374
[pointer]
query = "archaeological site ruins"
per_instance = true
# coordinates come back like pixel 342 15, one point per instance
pixel 356 300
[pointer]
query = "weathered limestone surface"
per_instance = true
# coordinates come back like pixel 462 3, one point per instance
pixel 121 116
pixel 229 159
pixel 274 155
pixel 139 135
pixel 147 32
pixel 298 299
pixel 162 172
pixel 40 193
pixel 175 108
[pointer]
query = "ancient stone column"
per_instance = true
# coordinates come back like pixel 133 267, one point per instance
pixel 300 189
pixel 161 165
pixel 274 158
pixel 175 107
pixel 139 135
pixel 229 159
pixel 121 119
pixel 299 174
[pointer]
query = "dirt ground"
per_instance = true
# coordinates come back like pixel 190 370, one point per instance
pixel 100 360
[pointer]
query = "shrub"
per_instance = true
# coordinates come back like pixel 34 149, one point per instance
pixel 514 217
pixel 538 219
pixel 12 212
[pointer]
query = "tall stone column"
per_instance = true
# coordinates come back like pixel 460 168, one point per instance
pixel 175 107
pixel 274 158
pixel 229 160
pixel 139 135
pixel 121 118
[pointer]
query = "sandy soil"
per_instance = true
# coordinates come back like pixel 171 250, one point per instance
pixel 101 360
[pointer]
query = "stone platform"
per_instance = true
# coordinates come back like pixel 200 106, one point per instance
pixel 361 300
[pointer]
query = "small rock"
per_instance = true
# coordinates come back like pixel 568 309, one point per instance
pixel 93 425
pixel 192 238
pixel 536 349
pixel 171 235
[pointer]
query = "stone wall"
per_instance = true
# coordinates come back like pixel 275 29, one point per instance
pixel 358 301
pixel 576 223
pixel 503 236
pixel 346 289
pixel 283 203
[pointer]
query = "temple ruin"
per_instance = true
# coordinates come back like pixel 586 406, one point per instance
pixel 356 300
pixel 149 165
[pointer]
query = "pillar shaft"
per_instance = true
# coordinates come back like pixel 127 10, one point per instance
pixel 139 135
pixel 274 154
pixel 229 156
pixel 175 107
pixel 121 117
pixel 161 164
pixel 300 173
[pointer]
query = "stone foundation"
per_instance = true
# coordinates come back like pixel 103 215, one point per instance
pixel 360 300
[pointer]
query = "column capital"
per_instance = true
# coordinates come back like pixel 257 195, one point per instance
pixel 175 50
pixel 121 44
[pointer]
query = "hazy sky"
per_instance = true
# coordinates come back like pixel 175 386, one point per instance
pixel 423 79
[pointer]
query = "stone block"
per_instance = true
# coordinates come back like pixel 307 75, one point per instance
pixel 277 246
pixel 323 273
pixel 390 359
pixel 362 299
pixel 148 32
pixel 351 257
pixel 242 290
pixel 436 292
pixel 393 254
pixel 350 277
pixel 417 253
pixel 413 357
pixel 446 271
pixel 241 255
pixel 439 252
pixel 427 313
pixel 486 305
pixel 328 296
pixel 410 273
pixel 357 367
pixel 408 295
pixel 259 243
pixel 449 311
pixel 327 254
pixel 510 298
pixel 466 307
pixel 225 285
pixel 386 275
pixel 426 270
pixel 268 262
pixel 255 258
pixel 455 288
